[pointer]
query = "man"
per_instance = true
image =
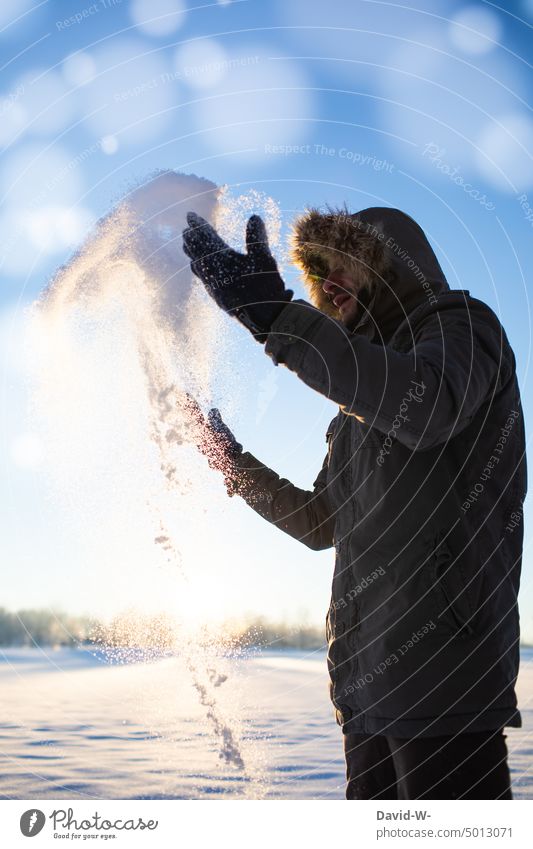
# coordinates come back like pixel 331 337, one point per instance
pixel 424 470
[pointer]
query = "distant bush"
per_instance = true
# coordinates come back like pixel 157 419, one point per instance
pixel 275 635
pixel 42 627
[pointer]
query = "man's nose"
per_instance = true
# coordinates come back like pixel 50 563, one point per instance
pixel 330 284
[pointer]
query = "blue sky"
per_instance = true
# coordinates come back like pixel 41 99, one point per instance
pixel 424 106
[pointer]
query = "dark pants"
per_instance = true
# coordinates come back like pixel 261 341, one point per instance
pixel 464 766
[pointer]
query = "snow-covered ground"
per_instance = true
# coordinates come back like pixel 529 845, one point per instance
pixel 74 726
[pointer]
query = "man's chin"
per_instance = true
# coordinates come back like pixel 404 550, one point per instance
pixel 350 315
pixel 353 311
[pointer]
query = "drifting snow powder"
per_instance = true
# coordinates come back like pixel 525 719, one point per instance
pixel 121 333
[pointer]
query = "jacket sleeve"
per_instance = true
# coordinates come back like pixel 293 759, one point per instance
pixel 425 396
pixel 305 515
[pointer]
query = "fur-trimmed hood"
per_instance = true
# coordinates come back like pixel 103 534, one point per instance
pixel 384 250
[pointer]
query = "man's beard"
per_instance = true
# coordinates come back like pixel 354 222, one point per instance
pixel 364 298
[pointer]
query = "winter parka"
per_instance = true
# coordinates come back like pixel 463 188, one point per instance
pixel 422 487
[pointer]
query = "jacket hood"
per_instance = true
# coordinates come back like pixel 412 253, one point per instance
pixel 384 250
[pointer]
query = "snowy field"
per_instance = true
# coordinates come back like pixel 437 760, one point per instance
pixel 74 726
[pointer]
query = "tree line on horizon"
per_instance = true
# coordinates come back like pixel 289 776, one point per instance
pixel 27 628
pixel 134 630
pixel 152 633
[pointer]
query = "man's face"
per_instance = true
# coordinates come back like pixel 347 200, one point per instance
pixel 341 289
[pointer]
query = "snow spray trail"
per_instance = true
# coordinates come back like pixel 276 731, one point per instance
pixel 121 332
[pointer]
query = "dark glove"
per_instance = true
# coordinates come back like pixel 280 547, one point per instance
pixel 248 285
pixel 216 442
pixel 219 444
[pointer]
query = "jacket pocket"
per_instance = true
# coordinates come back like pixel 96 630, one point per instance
pixel 365 437
pixel 453 607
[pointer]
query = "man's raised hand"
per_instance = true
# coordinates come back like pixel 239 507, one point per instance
pixel 247 286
